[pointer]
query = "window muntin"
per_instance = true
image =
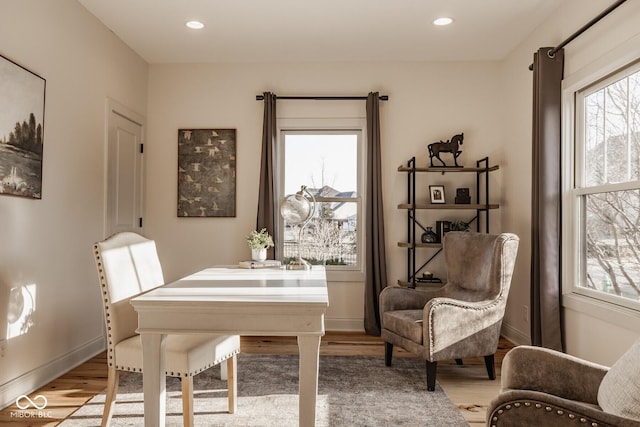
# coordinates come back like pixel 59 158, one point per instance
pixel 606 195
pixel 329 164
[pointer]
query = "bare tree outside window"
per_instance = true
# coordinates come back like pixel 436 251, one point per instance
pixel 610 198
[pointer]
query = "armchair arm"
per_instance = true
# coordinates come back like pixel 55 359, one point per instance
pixel 534 408
pixel 401 298
pixel 553 372
pixel 448 321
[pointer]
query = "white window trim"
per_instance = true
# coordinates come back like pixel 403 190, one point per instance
pixel 595 304
pixel 356 273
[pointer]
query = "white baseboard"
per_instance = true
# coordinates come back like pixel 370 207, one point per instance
pixel 44 374
pixel 344 325
pixel 514 335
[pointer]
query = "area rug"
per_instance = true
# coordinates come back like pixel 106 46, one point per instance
pixel 352 391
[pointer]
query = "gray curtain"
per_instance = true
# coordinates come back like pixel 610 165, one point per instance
pixel 375 258
pixel 267 204
pixel 546 228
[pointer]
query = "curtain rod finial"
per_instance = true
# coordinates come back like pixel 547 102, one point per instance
pixel 259 97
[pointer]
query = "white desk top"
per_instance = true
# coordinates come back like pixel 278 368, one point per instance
pixel 233 284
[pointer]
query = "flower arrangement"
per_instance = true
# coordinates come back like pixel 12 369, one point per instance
pixel 259 240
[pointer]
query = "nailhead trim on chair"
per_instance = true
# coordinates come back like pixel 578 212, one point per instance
pixel 180 374
pixel 107 305
pixel 549 409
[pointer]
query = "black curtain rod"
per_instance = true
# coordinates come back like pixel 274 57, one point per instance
pixel 324 98
pixel 584 28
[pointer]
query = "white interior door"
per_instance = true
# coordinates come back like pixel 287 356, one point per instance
pixel 124 172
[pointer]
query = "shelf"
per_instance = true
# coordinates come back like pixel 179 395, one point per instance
pixel 420 245
pixel 410 206
pixel 446 169
pixel 406 284
pixel 413 244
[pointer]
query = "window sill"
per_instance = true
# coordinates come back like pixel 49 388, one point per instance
pixel 620 316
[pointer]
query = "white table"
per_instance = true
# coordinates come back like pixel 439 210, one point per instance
pixel 234 301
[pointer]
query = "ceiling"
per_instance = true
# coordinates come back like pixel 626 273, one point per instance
pixel 320 30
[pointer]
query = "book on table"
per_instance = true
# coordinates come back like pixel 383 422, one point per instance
pixel 268 263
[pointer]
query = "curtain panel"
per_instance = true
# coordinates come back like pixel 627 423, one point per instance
pixel 375 258
pixel 267 204
pixel 546 227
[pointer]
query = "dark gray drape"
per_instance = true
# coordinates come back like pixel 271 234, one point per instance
pixel 375 258
pixel 546 228
pixel 267 204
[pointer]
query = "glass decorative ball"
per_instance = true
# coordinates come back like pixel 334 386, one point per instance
pixel 296 209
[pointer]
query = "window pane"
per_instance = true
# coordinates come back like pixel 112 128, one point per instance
pixel 328 239
pixel 327 163
pixel 612 123
pixel 612 237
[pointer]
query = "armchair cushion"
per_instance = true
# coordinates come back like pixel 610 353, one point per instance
pixel 406 323
pixel 619 391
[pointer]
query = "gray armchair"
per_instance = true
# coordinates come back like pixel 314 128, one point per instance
pixel 542 387
pixel 463 317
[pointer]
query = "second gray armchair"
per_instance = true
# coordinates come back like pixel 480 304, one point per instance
pixel 463 317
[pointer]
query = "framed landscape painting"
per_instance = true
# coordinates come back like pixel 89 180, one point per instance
pixel 21 130
pixel 207 172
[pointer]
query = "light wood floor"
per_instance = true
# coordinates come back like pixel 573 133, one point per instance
pixel 467 386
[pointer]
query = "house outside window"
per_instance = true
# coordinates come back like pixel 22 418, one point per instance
pixel 603 209
pixel 329 162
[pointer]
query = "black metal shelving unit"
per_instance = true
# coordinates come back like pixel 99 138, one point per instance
pixel 413 242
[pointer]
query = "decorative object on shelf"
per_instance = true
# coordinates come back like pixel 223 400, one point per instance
pixel 462 196
pixel 22 111
pixel 207 172
pixel 442 228
pixel 451 146
pixel 297 209
pixel 259 242
pixel 436 193
pixel 429 236
pixel 458 226
pixel 427 275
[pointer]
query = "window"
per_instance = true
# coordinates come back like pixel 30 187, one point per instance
pixel 329 163
pixel 605 197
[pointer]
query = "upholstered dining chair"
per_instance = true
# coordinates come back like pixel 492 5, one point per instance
pixel 128 265
pixel 463 317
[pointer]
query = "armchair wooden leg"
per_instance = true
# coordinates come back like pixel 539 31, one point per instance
pixel 113 376
pixel 232 383
pixel 388 353
pixel 489 362
pixel 187 401
pixel 431 375
pixel 458 361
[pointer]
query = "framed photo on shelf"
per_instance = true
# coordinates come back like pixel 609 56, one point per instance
pixel 436 193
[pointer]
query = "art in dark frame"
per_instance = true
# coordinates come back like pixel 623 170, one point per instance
pixel 206 172
pixel 22 98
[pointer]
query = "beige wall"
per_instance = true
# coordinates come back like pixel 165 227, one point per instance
pixel 583 327
pixel 428 102
pixel 47 242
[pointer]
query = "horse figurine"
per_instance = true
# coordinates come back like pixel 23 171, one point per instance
pixel 451 146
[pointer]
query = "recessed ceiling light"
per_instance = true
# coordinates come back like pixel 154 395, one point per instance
pixel 442 21
pixel 194 25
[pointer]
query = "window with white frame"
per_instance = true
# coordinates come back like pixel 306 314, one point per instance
pixel 329 163
pixel 605 196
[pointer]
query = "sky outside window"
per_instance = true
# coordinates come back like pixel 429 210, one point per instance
pixel 316 160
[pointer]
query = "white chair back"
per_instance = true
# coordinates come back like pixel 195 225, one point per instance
pixel 128 265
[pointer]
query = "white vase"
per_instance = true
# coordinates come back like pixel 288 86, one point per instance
pixel 258 254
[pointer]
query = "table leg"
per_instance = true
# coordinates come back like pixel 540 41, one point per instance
pixel 153 379
pixel 309 348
